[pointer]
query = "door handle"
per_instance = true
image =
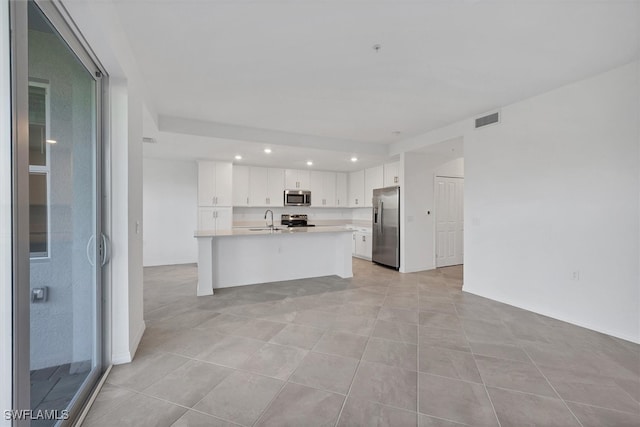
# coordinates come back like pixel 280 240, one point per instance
pixel 89 243
pixel 381 217
pixel 105 247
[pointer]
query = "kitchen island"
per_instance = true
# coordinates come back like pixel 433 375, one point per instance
pixel 244 256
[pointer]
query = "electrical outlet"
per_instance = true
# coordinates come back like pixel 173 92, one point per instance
pixel 575 275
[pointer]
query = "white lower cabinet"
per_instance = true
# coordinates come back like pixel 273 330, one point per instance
pixel 361 246
pixel 216 219
pixel 353 244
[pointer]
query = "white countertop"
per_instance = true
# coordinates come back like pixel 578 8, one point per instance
pixel 267 232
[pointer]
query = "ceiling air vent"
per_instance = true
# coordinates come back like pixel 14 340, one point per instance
pixel 487 120
pixel 149 140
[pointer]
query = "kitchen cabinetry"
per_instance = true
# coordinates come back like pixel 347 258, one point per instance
pixel 215 219
pixel 296 179
pixel 266 187
pixel 391 174
pixel 342 190
pixel 373 178
pixel 241 185
pixel 214 184
pixel 362 243
pixel 275 187
pixel 323 189
pixel 356 189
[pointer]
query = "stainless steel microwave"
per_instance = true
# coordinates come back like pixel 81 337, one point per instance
pixel 297 198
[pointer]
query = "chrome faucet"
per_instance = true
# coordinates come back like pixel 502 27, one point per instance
pixel 265 217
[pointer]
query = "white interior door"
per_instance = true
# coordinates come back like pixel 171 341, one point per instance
pixel 449 221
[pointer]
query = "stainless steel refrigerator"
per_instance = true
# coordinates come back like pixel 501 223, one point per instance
pixel 386 226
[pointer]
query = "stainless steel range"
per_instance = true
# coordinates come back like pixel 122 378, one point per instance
pixel 295 220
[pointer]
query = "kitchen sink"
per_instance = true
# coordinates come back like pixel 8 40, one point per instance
pixel 265 229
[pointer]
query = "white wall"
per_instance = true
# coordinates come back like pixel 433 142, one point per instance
pixel 553 189
pixel 134 181
pixel 126 263
pixel 454 168
pixel 5 217
pixel 417 240
pixel 170 198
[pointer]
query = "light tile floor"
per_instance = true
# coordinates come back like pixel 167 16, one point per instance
pixel 380 349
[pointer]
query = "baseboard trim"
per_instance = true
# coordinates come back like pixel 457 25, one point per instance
pixel 121 358
pixel 418 269
pixel 137 339
pixel 157 263
pixel 625 337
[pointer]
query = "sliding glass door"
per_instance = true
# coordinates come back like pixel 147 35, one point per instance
pixel 66 247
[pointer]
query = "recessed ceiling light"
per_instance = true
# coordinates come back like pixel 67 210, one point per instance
pixel 51 141
pixel 354 159
pixel 377 47
pixel 309 163
pixel 238 157
pixel 267 150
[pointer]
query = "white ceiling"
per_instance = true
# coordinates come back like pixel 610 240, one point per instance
pixel 304 72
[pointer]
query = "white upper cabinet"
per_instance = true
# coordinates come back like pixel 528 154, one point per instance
pixel 392 174
pixel 241 185
pixel 224 181
pixel 329 187
pixel 316 185
pixel 323 189
pixel 214 184
pixel 296 179
pixel 275 190
pixel 373 178
pixel 259 186
pixel 266 187
pixel 342 190
pixel 356 189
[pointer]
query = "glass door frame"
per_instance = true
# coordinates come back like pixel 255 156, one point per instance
pixel 64 25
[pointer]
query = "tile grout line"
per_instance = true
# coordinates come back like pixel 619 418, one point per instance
pixel 273 399
pixel 344 403
pixel 475 362
pixel 142 393
pixel 629 394
pixel 357 369
pixel 552 387
pixel 418 371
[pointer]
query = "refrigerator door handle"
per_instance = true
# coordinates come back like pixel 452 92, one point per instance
pixel 381 210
